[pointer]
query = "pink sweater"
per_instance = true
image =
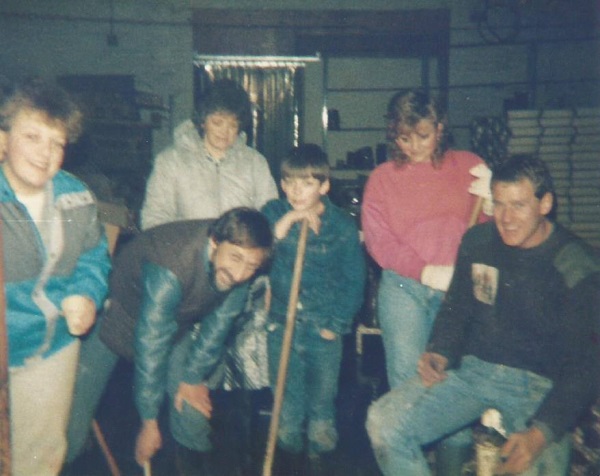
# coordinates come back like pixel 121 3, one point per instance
pixel 415 215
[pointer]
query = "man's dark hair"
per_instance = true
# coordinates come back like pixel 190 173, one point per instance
pixel 519 167
pixel 243 226
pixel 225 95
pixel 306 160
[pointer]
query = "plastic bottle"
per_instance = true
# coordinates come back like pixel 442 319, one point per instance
pixel 490 436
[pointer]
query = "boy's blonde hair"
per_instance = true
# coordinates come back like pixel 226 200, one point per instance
pixel 306 160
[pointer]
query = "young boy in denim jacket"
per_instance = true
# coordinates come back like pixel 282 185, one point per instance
pixel 331 292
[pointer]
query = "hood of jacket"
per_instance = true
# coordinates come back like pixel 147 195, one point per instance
pixel 187 138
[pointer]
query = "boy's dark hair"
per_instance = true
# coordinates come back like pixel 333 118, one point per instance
pixel 38 95
pixel 405 110
pixel 520 167
pixel 307 160
pixel 243 226
pixel 225 95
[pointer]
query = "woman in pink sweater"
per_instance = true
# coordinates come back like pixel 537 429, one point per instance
pixel 416 208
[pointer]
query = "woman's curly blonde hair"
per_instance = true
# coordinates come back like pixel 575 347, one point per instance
pixel 405 110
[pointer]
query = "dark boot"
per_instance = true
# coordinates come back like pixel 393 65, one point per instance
pixel 191 463
pixel 288 464
pixel 321 464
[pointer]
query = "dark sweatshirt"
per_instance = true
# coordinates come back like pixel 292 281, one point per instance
pixel 535 309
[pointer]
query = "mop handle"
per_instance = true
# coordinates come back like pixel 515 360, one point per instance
pixel 285 349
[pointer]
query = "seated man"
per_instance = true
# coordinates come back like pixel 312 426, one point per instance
pixel 515 332
pixel 164 282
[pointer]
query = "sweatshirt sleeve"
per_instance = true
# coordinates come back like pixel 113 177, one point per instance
pixel 90 276
pixel 577 381
pixel 387 249
pixel 451 323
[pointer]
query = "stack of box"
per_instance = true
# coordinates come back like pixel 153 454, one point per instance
pixel 568 140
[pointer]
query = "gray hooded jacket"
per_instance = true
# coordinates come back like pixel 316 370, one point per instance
pixel 186 183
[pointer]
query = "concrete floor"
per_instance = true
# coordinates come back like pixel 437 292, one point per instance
pixel 361 380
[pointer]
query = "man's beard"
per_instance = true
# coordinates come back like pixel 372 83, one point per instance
pixel 212 278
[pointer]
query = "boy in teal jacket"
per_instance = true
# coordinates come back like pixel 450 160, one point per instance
pixel 331 293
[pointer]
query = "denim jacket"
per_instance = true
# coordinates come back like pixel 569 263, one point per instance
pixel 333 273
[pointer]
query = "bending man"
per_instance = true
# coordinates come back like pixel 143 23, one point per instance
pixel 167 280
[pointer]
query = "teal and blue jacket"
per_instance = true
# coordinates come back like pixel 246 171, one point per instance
pixel 65 254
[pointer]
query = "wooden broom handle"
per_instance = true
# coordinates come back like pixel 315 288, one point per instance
pixel 285 349
pixel 475 212
pixel 5 454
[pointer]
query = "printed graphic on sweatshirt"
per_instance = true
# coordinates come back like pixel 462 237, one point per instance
pixel 485 283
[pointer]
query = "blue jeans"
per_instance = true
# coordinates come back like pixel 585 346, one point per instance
pixel 311 386
pixel 96 363
pixel 190 428
pixel 406 310
pixel 406 418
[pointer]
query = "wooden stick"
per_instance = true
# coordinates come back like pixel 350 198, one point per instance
pixel 147 468
pixel 475 212
pixel 5 455
pixel 110 460
pixel 285 349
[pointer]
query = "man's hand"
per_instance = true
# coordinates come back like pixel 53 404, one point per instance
pixel 80 313
pixel 198 396
pixel 432 368
pixel 521 450
pixel 148 442
pixel 327 334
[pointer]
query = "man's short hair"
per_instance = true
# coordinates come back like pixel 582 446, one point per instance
pixel 307 160
pixel 243 226
pixel 519 167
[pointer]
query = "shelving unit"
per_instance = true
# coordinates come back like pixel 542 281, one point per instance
pixel 568 140
pixel 357 90
pixel 114 154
